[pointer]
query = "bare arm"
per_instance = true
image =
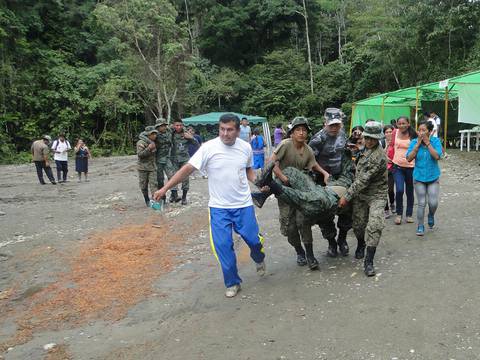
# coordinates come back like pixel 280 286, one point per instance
pixel 277 171
pixel 251 175
pixel 322 171
pixel 179 176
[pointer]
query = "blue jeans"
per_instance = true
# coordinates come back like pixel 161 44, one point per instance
pixel 403 184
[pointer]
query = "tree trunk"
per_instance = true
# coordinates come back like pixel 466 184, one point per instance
pixel 305 16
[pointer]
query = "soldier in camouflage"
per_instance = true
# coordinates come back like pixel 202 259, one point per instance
pixel 147 169
pixel 179 154
pixel 329 146
pixel 368 194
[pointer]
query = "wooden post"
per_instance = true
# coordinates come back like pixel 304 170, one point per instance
pixel 351 119
pixel 416 108
pixel 446 119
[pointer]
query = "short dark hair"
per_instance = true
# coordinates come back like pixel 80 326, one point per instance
pixel 229 117
pixel 428 124
pixel 178 121
pixel 244 118
pixel 388 127
pixel 279 125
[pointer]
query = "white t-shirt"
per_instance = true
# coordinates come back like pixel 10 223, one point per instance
pixel 62 147
pixel 227 176
pixel 436 125
pixel 245 133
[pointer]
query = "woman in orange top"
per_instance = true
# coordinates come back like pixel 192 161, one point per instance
pixel 402 169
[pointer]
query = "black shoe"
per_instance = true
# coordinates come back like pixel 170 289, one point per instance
pixel 184 197
pixel 174 196
pixel 360 251
pixel 368 263
pixel 342 243
pixel 332 248
pixel 42 183
pixel 259 198
pixel 54 183
pixel 301 260
pixel 312 262
pixel 266 176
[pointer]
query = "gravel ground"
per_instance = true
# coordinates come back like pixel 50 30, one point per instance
pixel 423 303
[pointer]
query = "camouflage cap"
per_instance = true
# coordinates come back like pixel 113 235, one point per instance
pixel 47 137
pixel 150 130
pixel 373 129
pixel 333 116
pixel 299 120
pixel 161 122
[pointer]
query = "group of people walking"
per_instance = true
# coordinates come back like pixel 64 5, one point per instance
pixel 41 150
pixel 332 181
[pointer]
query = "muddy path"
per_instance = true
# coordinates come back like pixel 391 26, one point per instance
pixel 88 268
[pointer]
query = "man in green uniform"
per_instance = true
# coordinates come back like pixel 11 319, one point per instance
pixel 179 155
pixel 295 152
pixel 147 169
pixel 368 194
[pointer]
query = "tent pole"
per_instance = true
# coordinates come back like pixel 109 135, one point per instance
pixel 446 119
pixel 383 109
pixel 351 119
pixel 416 108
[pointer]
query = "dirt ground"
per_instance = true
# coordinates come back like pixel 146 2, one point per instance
pixel 88 272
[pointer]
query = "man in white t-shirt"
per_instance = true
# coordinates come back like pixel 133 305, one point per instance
pixel 60 149
pixel 436 121
pixel 228 162
pixel 245 131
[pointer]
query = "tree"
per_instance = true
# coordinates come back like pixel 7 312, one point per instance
pixel 155 44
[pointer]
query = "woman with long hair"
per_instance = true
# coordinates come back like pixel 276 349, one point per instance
pixel 402 168
pixel 426 150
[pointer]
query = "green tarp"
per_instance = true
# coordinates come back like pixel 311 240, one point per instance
pixel 387 106
pixel 213 117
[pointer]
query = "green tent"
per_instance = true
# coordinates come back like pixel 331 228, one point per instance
pixel 407 102
pixel 213 117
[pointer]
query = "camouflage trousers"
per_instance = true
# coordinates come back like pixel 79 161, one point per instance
pixel 176 165
pixel 315 202
pixel 344 223
pixel 147 179
pixel 163 169
pixel 293 225
pixel 369 219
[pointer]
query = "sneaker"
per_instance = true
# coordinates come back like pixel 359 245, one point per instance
pixel 420 230
pixel 387 214
pixel 232 291
pixel 261 268
pixel 392 207
pixel 410 220
pixel 431 221
pixel 398 220
pixel 301 260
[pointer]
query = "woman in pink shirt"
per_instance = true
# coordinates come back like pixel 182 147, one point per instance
pixel 402 169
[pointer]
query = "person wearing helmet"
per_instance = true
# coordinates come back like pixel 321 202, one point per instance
pixel 329 146
pixel 368 195
pixel 295 152
pixel 147 169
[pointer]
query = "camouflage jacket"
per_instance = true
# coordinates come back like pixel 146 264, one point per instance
pixel 180 147
pixel 163 144
pixel 371 176
pixel 146 158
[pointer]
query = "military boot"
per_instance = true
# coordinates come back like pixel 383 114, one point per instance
pixel 174 196
pixel 301 259
pixel 311 261
pixel 184 197
pixel 259 197
pixel 360 251
pixel 368 262
pixel 332 248
pixel 266 176
pixel 342 242
pixel 145 197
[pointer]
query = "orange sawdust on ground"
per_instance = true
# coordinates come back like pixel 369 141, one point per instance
pixel 112 271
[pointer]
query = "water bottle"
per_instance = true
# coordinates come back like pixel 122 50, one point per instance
pixel 156 205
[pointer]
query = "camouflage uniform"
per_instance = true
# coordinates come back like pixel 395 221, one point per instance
pixel 368 194
pixel 330 153
pixel 179 154
pixel 163 144
pixel 147 169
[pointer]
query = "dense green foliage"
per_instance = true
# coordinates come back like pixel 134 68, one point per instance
pixel 102 70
